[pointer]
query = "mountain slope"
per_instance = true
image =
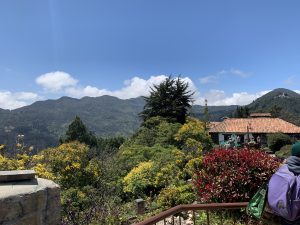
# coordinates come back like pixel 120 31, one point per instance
pixel 282 103
pixel 44 122
pixel 216 113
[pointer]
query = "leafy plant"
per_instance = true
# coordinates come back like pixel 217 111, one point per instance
pixel 140 180
pixel 155 131
pixel 233 175
pixel 193 136
pixel 284 152
pixel 278 140
pixel 175 195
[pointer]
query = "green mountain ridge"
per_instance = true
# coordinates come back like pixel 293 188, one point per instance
pixel 43 122
pixel 281 102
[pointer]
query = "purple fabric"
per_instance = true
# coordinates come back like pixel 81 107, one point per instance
pixel 284 194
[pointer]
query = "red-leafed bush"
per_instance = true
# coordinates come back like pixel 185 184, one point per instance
pixel 233 175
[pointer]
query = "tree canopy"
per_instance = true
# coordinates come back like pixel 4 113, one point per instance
pixel 170 99
pixel 241 112
pixel 77 131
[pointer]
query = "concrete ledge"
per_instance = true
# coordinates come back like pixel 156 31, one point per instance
pixel 16 175
pixel 29 202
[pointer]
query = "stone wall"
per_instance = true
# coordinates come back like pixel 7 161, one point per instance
pixel 29 202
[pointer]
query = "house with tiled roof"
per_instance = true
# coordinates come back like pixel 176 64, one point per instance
pixel 255 128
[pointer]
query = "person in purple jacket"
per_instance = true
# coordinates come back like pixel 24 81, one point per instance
pixel 293 164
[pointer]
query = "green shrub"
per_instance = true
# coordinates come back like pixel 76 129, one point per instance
pixel 176 195
pixel 278 140
pixel 284 152
pixel 140 179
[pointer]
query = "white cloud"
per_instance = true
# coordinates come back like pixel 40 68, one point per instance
pixel 219 97
pixel 239 73
pixel 297 91
pixel 137 86
pixel 26 96
pixel 133 88
pixel 208 79
pixel 223 74
pixel 9 100
pixel 56 81
pixel 290 80
pixel 64 83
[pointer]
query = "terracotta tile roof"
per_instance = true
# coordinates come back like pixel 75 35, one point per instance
pixel 257 125
pixel 212 124
pixel 260 115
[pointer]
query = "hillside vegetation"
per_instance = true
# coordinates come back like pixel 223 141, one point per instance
pixel 282 103
pixel 44 122
pixel 168 161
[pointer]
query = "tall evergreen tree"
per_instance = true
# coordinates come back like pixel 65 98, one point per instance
pixel 77 131
pixel 206 116
pixel 241 112
pixel 170 99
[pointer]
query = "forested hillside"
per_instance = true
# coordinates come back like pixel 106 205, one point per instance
pixel 163 163
pixel 44 122
pixel 282 103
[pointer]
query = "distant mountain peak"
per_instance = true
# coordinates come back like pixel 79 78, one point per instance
pixel 285 93
pixel 280 102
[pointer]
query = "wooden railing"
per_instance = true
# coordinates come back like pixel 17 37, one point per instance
pixel 167 217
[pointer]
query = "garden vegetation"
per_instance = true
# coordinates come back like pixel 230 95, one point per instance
pixel 168 161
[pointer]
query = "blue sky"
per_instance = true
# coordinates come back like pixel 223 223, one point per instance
pixel 230 51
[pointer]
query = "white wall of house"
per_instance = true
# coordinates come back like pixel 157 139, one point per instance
pixel 221 138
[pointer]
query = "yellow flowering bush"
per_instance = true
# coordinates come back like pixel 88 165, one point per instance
pixel 69 164
pixel 193 136
pixel 139 179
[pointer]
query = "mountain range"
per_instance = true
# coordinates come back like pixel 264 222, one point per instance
pixel 43 122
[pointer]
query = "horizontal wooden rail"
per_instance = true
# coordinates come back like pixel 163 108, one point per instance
pixel 192 207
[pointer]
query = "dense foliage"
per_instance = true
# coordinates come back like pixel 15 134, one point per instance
pixel 77 131
pixel 282 103
pixel 87 193
pixel 278 140
pixel 241 112
pixel 233 175
pixel 100 182
pixel 193 136
pixel 171 99
pixel 101 177
pixel 284 152
pixel 44 122
pixel 174 195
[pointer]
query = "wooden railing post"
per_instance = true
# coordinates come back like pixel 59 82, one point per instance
pixel 140 206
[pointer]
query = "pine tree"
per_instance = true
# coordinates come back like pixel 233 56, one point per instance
pixel 241 112
pixel 206 116
pixel 77 131
pixel 171 99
